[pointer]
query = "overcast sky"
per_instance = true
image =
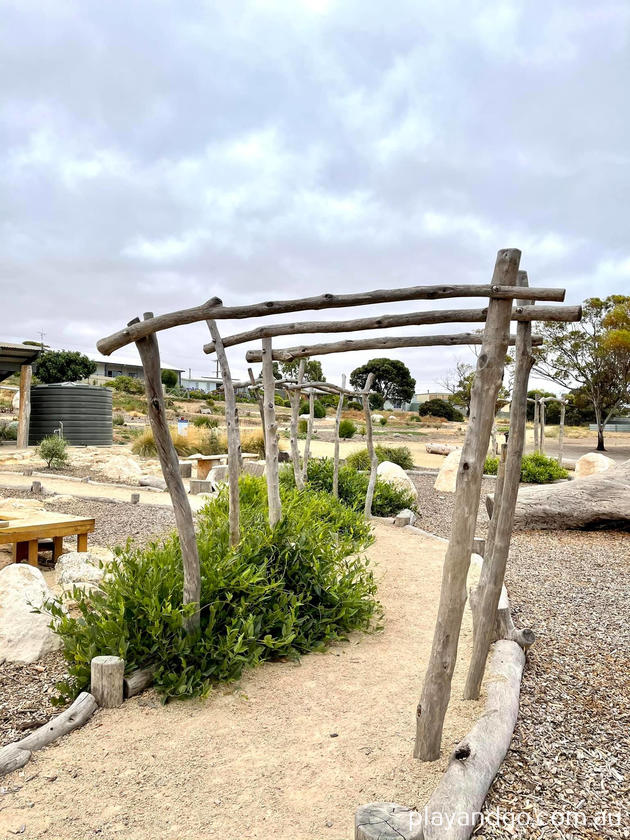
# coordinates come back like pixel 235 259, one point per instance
pixel 155 154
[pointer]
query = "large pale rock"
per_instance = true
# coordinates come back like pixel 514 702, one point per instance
pixel 15 402
pixel 376 418
pixel 24 635
pixel 122 468
pixel 11 503
pixel 79 568
pixel 591 463
pixel 395 475
pixel 447 476
pixel 154 482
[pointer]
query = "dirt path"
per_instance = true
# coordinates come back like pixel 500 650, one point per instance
pixel 290 752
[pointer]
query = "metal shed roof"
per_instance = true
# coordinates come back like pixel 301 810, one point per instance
pixel 13 356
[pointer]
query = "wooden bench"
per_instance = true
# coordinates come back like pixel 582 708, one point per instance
pixel 24 528
pixel 206 462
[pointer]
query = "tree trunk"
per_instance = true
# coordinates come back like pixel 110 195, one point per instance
pixel 542 426
pixel 24 416
pixel 233 435
pixel 260 402
pixel 294 399
pixel 369 496
pixel 536 424
pixel 601 500
pixel 600 432
pixel 271 435
pixel 561 432
pixel 169 461
pixel 490 363
pixel 335 487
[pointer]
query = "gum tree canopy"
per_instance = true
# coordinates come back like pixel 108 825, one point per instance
pixel 392 379
pixel 594 355
pixel 64 366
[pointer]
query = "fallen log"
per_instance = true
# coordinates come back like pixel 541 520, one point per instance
pixel 79 712
pixel 601 500
pixel 440 448
pixel 12 757
pixel 454 808
pixel 137 681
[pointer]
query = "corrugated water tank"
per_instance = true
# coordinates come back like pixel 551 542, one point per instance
pixel 84 410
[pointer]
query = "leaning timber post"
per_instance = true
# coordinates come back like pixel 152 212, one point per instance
pixel 309 434
pixel 488 377
pixel 335 487
pixel 295 397
pixel 260 402
pixel 24 416
pixel 498 495
pixel 271 435
pixel 233 434
pixel 542 426
pixel 169 461
pixel 369 440
pixel 563 407
pixel 495 560
pixel 536 424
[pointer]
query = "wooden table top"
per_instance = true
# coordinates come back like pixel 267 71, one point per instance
pixel 222 457
pixel 29 524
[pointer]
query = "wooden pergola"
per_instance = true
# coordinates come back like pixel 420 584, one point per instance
pixel 508 286
pixel 16 358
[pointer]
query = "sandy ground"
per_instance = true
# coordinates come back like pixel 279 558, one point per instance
pixel 289 752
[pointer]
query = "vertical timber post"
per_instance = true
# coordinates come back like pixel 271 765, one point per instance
pixel 169 461
pixel 369 440
pixel 536 423
pixel 495 560
pixel 335 487
pixel 295 396
pixel 309 435
pixel 542 426
pixel 233 434
pixel 24 416
pixel 563 406
pixel 271 434
pixel 260 402
pixel 436 690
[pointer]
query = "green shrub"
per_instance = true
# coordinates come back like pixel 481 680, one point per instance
pixel 440 408
pixel 8 431
pixel 205 421
pixel 377 401
pixel 535 468
pixel 53 449
pixel 319 410
pixel 280 593
pixel 347 429
pixel 302 426
pixel 491 465
pixel 383 421
pixel 355 405
pixel 127 385
pixel 388 499
pixel 118 420
pixel 538 469
pixel 400 455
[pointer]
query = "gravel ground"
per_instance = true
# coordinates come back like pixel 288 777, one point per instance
pixel 568 769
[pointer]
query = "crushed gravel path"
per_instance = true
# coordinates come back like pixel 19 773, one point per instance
pixel 567 774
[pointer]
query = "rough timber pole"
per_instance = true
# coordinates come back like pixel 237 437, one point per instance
pixel 271 435
pixel 369 496
pixel 335 487
pixel 563 407
pixel 489 374
pixel 233 435
pixel 150 357
pixel 542 426
pixel 309 434
pixel 259 401
pixel 536 423
pixel 495 560
pixel 24 416
pixel 294 398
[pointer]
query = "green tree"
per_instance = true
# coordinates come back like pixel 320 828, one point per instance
pixel 64 366
pixel 439 408
pixel 169 378
pixel 460 385
pixel 592 356
pixel 392 379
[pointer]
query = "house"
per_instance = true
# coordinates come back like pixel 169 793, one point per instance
pixel 207 384
pixel 109 367
pixel 417 401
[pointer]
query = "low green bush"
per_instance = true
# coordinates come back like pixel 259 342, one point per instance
pixel 535 468
pixel 127 385
pixel 440 408
pixel 383 421
pixel 8 431
pixel 53 449
pixel 539 469
pixel 302 426
pixel 400 455
pixel 280 593
pixel 355 405
pixel 204 420
pixel 347 429
pixel 388 499
pixel 118 420
pixel 319 410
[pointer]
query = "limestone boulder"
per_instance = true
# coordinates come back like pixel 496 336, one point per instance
pixel 122 468
pixel 24 635
pixel 15 402
pixel 80 569
pixel 395 475
pixel 11 503
pixel 377 418
pixel 155 482
pixel 447 476
pixel 591 463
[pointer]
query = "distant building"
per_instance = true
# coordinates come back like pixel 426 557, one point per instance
pixel 207 384
pixel 109 367
pixel 417 400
